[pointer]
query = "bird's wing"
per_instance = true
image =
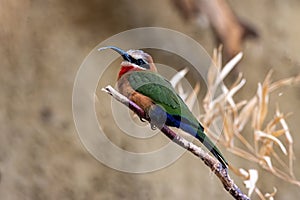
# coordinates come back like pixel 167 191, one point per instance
pixel 160 91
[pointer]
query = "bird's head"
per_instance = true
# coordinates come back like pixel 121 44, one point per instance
pixel 133 60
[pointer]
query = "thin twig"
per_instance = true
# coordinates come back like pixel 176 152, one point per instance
pixel 212 163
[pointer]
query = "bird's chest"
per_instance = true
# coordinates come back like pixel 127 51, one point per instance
pixel 141 100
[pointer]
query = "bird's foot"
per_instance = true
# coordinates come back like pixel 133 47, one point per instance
pixel 153 127
pixel 142 120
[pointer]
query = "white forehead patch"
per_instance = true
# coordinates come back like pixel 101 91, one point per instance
pixel 136 53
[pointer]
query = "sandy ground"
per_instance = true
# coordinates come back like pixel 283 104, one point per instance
pixel 42 46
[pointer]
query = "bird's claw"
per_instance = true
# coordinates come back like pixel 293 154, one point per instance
pixel 142 120
pixel 153 127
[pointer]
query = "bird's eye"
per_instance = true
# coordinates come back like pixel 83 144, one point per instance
pixel 140 62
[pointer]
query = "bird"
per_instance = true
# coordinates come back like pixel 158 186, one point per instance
pixel 140 82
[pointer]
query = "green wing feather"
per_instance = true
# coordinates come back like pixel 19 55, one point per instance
pixel 161 92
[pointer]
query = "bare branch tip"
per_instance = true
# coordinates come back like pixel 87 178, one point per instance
pixel 108 89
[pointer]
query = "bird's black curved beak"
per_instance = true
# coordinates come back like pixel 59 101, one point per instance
pixel 123 53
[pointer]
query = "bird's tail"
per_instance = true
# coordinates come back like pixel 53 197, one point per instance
pixel 197 131
pixel 210 146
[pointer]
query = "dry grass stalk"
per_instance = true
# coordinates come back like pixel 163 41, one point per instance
pixel 235 115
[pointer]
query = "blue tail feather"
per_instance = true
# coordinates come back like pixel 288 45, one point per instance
pixel 198 132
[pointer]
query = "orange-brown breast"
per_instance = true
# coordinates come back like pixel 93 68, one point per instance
pixel 125 88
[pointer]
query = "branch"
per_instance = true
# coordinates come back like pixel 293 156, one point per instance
pixel 212 163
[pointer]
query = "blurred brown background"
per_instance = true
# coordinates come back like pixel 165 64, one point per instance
pixel 42 46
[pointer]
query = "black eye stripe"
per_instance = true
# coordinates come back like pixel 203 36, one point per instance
pixel 146 66
pixel 140 62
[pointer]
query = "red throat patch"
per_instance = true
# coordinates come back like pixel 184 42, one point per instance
pixel 125 69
